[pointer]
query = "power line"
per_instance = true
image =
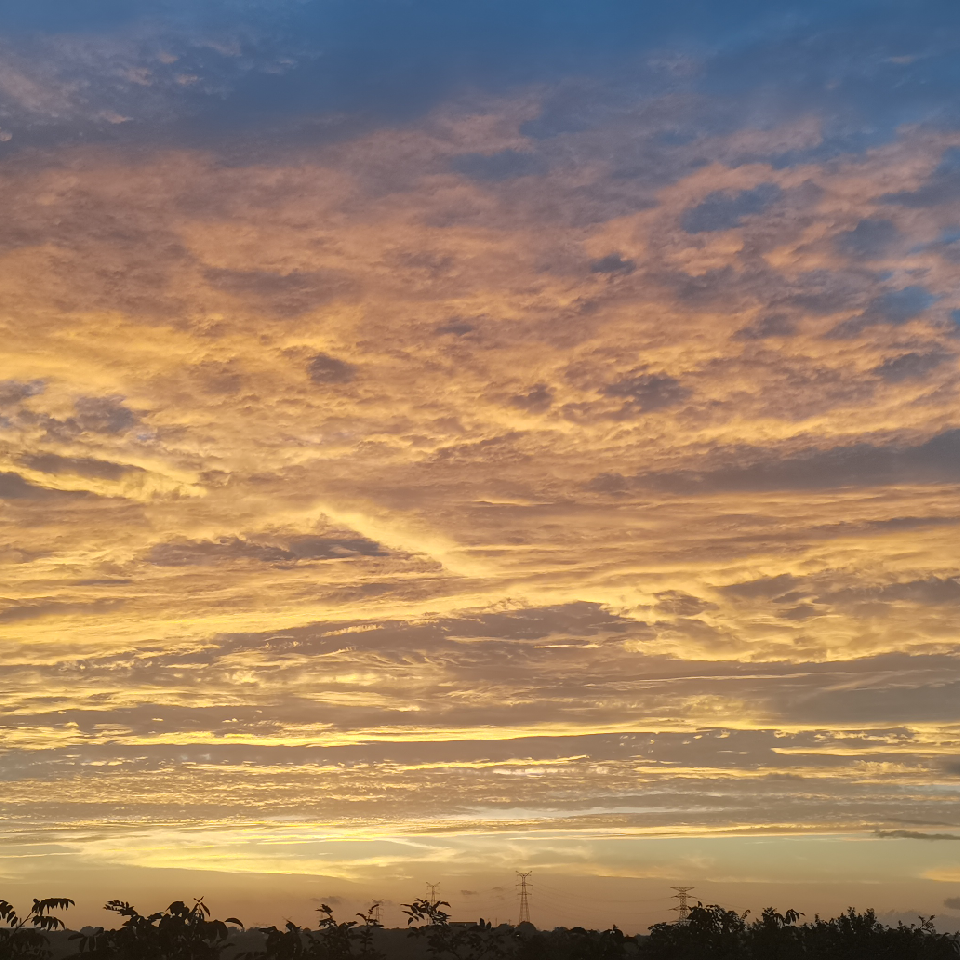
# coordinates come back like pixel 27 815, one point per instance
pixel 565 909
pixel 579 897
pixel 682 908
pixel 566 904
pixel 524 899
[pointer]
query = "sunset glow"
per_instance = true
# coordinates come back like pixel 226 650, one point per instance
pixel 438 441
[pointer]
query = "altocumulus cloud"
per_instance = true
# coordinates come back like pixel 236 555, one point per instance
pixel 486 416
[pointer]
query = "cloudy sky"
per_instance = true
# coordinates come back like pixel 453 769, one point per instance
pixel 444 438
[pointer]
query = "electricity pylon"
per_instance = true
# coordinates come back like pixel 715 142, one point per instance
pixel 682 908
pixel 524 899
pixel 433 887
pixel 375 911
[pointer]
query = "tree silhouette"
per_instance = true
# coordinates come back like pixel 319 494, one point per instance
pixel 481 941
pixel 331 941
pixel 712 933
pixel 178 933
pixel 708 933
pixel 23 936
pixel 184 932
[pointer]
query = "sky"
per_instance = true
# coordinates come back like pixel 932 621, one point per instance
pixel 441 439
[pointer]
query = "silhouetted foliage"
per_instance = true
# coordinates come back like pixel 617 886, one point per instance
pixel 179 933
pixel 712 933
pixel 23 936
pixel 775 936
pixel 183 932
pixel 577 943
pixel 331 941
pixel 482 941
pixel 709 933
pixel 860 936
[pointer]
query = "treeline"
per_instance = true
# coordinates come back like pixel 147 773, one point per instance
pixel 184 932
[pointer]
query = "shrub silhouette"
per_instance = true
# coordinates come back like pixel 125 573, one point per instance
pixel 577 943
pixel 179 933
pixel 775 936
pixel 331 941
pixel 184 932
pixel 23 936
pixel 712 933
pixel 708 933
pixel 860 936
pixel 482 941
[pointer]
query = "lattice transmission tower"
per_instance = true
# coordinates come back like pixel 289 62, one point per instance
pixel 524 898
pixel 433 888
pixel 682 909
pixel 375 911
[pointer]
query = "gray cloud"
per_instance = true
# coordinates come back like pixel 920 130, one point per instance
pixel 788 589
pixel 46 607
pixel 916 835
pixel 942 187
pixel 186 553
pixel 935 461
pixel 913 523
pixel 613 263
pixel 682 604
pixel 724 211
pixel 13 391
pixel 773 325
pixel 869 239
pixel 910 366
pixel 79 466
pixel 287 294
pixel 825 291
pixel 899 306
pixel 457 327
pixel 763 587
pixel 326 369
pixel 577 619
pixel 536 399
pixel 505 165
pixel 580 621
pixel 648 391
pixel 14 487
pixel 931 591
pixel 108 416
pixel 707 287
pixel 802 611
pixel 893 308
pixel 219 377
pixel 103 415
pixel 903 699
